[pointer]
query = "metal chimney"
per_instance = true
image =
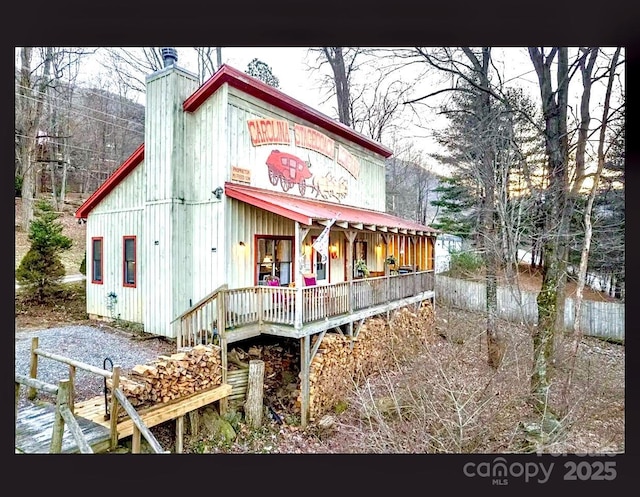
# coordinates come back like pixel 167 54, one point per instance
pixel 170 56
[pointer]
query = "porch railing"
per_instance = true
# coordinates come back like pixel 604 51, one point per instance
pixel 267 304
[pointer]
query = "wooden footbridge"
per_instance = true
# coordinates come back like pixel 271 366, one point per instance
pixel 83 427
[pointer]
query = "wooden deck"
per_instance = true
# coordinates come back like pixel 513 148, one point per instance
pixel 297 312
pixel 34 427
pixel 34 424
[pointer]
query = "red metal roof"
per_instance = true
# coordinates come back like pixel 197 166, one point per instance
pixel 306 211
pixel 118 175
pixel 273 96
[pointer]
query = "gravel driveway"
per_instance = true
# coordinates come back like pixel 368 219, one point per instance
pixel 87 344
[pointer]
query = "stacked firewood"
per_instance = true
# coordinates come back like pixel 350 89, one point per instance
pixel 330 374
pixel 371 347
pixel 409 332
pixel 175 376
pixel 337 364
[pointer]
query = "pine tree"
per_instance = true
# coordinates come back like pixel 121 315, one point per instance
pixel 458 212
pixel 41 271
pixel 262 71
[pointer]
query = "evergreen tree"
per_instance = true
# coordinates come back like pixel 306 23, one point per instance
pixel 262 71
pixel 41 271
pixel 457 213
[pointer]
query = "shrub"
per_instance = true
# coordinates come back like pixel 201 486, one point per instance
pixel 83 264
pixel 40 271
pixel 464 263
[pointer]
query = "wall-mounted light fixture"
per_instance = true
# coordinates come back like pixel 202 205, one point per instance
pixel 242 244
pixel 218 192
pixel 333 251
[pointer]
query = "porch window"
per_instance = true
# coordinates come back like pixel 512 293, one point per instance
pixel 96 260
pixel 129 250
pixel 274 257
pixel 319 267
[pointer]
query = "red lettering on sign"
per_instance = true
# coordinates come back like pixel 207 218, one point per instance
pixel 269 132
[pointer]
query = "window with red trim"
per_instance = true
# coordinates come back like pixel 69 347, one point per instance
pixel 129 256
pixel 96 260
pixel 273 257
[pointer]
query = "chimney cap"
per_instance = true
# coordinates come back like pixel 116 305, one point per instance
pixel 169 55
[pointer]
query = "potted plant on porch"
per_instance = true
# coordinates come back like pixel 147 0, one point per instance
pixel 391 262
pixel 361 267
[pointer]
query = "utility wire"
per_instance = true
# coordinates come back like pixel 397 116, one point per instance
pixel 85 116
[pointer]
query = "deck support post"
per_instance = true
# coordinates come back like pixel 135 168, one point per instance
pixel 179 434
pixel 304 380
pixel 136 440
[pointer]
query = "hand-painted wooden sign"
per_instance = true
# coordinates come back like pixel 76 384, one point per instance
pixel 241 174
pixel 288 170
pixel 348 161
pixel 314 140
pixel 328 186
pixel 269 132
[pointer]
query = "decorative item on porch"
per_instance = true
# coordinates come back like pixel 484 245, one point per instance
pixel 391 260
pixel 361 267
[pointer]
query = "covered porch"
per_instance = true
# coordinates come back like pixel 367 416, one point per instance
pixel 330 267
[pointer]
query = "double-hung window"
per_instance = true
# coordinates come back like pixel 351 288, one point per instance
pixel 96 260
pixel 129 256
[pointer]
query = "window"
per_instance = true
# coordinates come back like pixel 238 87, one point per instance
pixel 359 254
pixel 319 267
pixel 129 261
pixel 274 258
pixel 96 260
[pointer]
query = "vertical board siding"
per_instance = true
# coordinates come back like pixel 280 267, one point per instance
pixel 598 319
pixel 166 240
pixel 119 214
pixel 243 222
pixel 157 282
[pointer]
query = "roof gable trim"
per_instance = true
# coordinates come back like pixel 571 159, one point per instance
pixel 112 181
pixel 273 96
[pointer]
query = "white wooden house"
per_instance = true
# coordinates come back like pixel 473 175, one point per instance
pixel 233 185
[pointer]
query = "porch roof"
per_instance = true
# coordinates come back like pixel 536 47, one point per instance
pixel 307 211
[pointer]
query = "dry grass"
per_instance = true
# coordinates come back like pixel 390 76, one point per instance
pixel 450 401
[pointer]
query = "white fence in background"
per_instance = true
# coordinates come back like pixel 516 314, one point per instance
pixel 598 319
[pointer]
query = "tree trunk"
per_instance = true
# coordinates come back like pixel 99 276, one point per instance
pixel 32 106
pixel 254 406
pixel 555 228
pixel 335 58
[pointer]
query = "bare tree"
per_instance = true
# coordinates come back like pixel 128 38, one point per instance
pixel 130 66
pixel 601 154
pixel 206 64
pixel 30 104
pixel 554 74
pixel 470 69
pixel 344 62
